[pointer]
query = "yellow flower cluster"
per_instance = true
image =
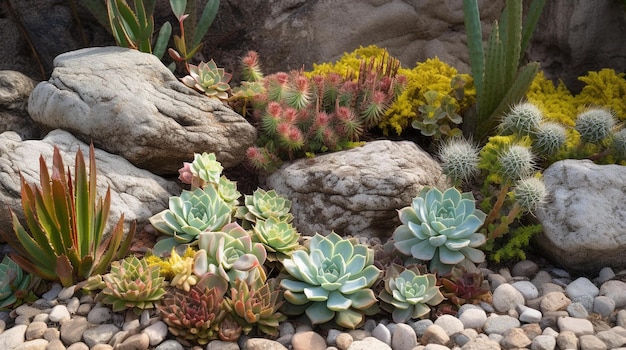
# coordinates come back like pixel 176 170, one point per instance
pixel 431 75
pixel 556 102
pixel 605 88
pixel 349 63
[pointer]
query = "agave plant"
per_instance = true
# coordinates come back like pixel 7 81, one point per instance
pixel 14 284
pixel 188 215
pixel 195 316
pixel 256 303
pixel 67 224
pixel 279 238
pixel 331 281
pixel 131 284
pixel 262 205
pixel 207 78
pixel 229 253
pixel 408 293
pixel 441 228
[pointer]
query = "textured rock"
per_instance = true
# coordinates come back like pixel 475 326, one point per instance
pixel 356 192
pixel 15 88
pixel 130 104
pixel 136 193
pixel 583 219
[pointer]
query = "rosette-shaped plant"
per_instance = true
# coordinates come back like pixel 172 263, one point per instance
pixel 262 205
pixel 207 78
pixel 441 228
pixel 256 304
pixel 194 317
pixel 331 281
pixel 279 238
pixel 132 284
pixel 182 270
pixel 408 294
pixel 229 253
pixel 188 215
pixel 204 169
pixel 14 283
pixel 461 286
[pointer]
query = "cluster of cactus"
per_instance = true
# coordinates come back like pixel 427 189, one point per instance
pixel 298 114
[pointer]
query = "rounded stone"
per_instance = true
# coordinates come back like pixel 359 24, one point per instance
pixel 500 324
pixel 308 341
pixel 543 342
pixel 59 313
pixel 403 337
pixel 615 290
pixel 577 310
pixel 435 335
pixel 344 340
pixel 527 288
pixel 170 345
pixel 35 330
pixel 603 305
pixel 525 268
pixel 382 333
pixel 581 286
pixel 473 318
pixel 450 324
pixel 506 297
pixel 554 301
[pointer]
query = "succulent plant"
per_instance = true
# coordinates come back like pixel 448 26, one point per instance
pixel 516 162
pixel 279 238
pixel 67 224
pixel 459 159
pixel 182 270
pixel 204 169
pixel 207 78
pixel 229 253
pixel 595 125
pixel 522 119
pixel 440 227
pixel 195 211
pixel 619 144
pixel 408 293
pixel 132 284
pixel 331 281
pixel 14 284
pixel 195 316
pixel 549 138
pixel 262 205
pixel 461 287
pixel 256 304
pixel 529 193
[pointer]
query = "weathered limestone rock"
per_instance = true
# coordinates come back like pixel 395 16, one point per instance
pixel 130 104
pixel 136 193
pixel 583 219
pixel 15 88
pixel 356 192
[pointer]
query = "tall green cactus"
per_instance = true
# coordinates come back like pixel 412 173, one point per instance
pixel 500 81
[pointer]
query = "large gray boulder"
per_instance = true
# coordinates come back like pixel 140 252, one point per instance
pixel 356 192
pixel 583 219
pixel 130 104
pixel 136 193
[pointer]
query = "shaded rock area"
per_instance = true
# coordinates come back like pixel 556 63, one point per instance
pixel 583 219
pixel 15 88
pixel 130 104
pixel 136 193
pixel 356 192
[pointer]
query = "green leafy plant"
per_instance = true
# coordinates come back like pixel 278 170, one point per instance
pixel 498 78
pixel 210 80
pixel 409 293
pixel 186 46
pixel 15 284
pixel 131 284
pixel 441 227
pixel 195 211
pixel 331 281
pixel 205 170
pixel 134 28
pixel 279 238
pixel 66 223
pixel 194 317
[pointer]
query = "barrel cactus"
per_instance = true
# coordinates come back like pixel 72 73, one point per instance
pixel 440 227
pixel 331 281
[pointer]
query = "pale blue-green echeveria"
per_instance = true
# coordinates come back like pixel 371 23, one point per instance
pixel 14 283
pixel 206 167
pixel 262 205
pixel 188 215
pixel 408 293
pixel 441 228
pixel 280 238
pixel 229 253
pixel 332 281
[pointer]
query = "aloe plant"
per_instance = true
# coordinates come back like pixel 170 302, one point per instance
pixel 188 22
pixel 331 281
pixel 67 224
pixel 499 80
